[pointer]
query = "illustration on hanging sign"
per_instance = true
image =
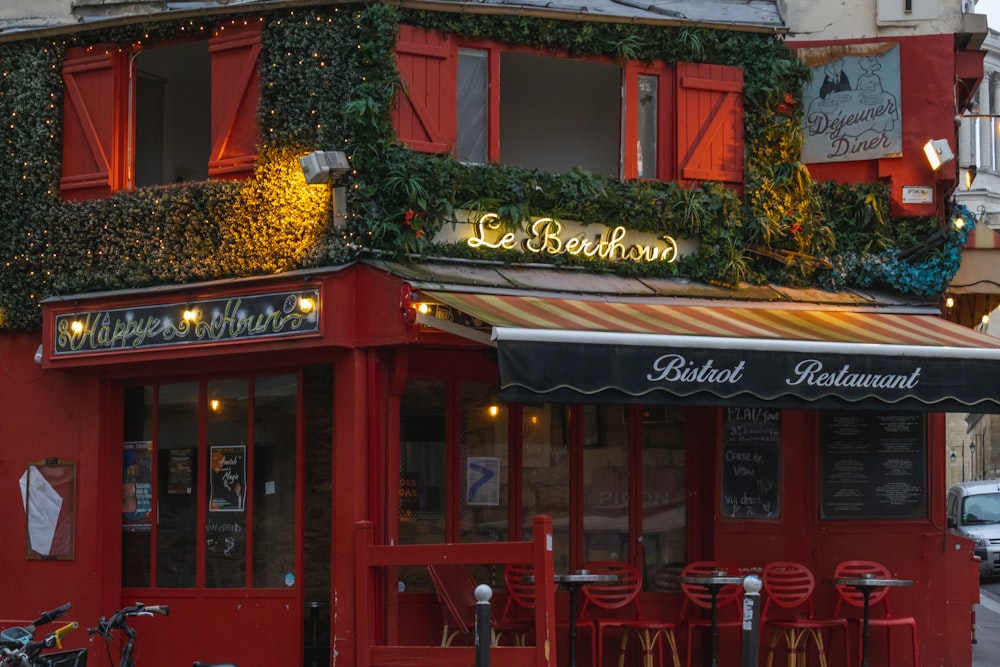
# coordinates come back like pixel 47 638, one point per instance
pixel 852 109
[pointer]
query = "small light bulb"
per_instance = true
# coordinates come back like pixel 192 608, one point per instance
pixel 76 326
pixel 306 304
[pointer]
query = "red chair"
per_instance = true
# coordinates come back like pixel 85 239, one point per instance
pixel 615 605
pixel 697 606
pixel 878 603
pixel 516 619
pixel 456 590
pixel 789 614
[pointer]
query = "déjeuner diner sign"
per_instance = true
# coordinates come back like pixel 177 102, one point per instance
pixel 552 237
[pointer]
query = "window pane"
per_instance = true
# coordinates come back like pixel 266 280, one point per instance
pixel 547 104
pixel 422 464
pixel 273 497
pixel 422 473
pixel 137 478
pixel 225 517
pixel 172 107
pixel 646 123
pixel 605 483
pixel 483 466
pixel 664 495
pixel 177 446
pixel 317 389
pixel 473 104
pixel 545 474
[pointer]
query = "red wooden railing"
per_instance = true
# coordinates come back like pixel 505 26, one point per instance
pixel 370 559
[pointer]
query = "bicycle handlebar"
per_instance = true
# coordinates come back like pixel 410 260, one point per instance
pixel 118 619
pixel 52 614
pixel 61 632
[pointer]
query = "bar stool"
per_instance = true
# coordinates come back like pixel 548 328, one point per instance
pixel 789 614
pixel 878 599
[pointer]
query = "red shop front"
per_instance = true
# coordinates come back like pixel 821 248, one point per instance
pixel 237 442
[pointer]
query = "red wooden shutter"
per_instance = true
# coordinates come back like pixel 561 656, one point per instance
pixel 710 123
pixel 94 122
pixel 424 114
pixel 235 93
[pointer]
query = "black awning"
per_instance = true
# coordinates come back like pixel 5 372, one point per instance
pixel 562 349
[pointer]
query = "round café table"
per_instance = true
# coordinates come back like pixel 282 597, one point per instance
pixel 714 583
pixel 866 585
pixel 572 582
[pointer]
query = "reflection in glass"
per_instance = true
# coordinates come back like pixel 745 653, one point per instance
pixel 473 105
pixel 646 124
pixel 273 488
pixel 177 496
pixel 225 512
pixel 605 483
pixel 545 474
pixel 664 494
pixel 483 465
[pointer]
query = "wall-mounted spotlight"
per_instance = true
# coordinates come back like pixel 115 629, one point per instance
pixel 38 355
pixel 321 167
pixel 938 153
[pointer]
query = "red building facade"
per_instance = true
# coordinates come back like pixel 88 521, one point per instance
pixel 249 450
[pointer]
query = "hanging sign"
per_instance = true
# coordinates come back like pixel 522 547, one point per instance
pixel 852 106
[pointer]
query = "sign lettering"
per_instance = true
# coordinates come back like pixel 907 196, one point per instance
pixel 552 237
pixel 204 321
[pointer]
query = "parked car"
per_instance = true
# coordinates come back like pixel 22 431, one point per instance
pixel 974 512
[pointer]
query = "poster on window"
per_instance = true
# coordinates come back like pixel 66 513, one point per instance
pixel 228 478
pixel 483 480
pixel 137 486
pixel 180 478
pixel 851 106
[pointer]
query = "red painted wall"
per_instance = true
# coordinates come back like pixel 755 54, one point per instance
pixel 50 414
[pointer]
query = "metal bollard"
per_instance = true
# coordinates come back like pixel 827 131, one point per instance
pixel 751 619
pixel 484 629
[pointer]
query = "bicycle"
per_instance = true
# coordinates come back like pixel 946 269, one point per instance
pixel 111 630
pixel 18 647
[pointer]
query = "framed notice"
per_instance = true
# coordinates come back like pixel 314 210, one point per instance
pixel 483 480
pixel 48 492
pixel 751 463
pixel 873 465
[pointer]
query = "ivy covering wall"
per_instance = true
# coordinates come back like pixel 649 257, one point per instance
pixel 328 80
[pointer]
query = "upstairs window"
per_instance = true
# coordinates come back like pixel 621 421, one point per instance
pixel 481 102
pixel 139 116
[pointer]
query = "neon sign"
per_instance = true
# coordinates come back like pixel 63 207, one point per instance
pixel 551 237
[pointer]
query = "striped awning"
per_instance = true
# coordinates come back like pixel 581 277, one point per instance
pixel 599 349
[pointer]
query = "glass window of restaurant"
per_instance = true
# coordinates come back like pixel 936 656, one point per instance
pixel 612 477
pixel 207 464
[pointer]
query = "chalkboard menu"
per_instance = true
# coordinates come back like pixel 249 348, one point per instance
pixel 751 463
pixel 873 465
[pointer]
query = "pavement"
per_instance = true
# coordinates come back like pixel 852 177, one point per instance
pixel 986 650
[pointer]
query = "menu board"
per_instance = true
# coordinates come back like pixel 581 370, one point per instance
pixel 873 465
pixel 751 463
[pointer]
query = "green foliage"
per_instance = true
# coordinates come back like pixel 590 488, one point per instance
pixel 328 81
